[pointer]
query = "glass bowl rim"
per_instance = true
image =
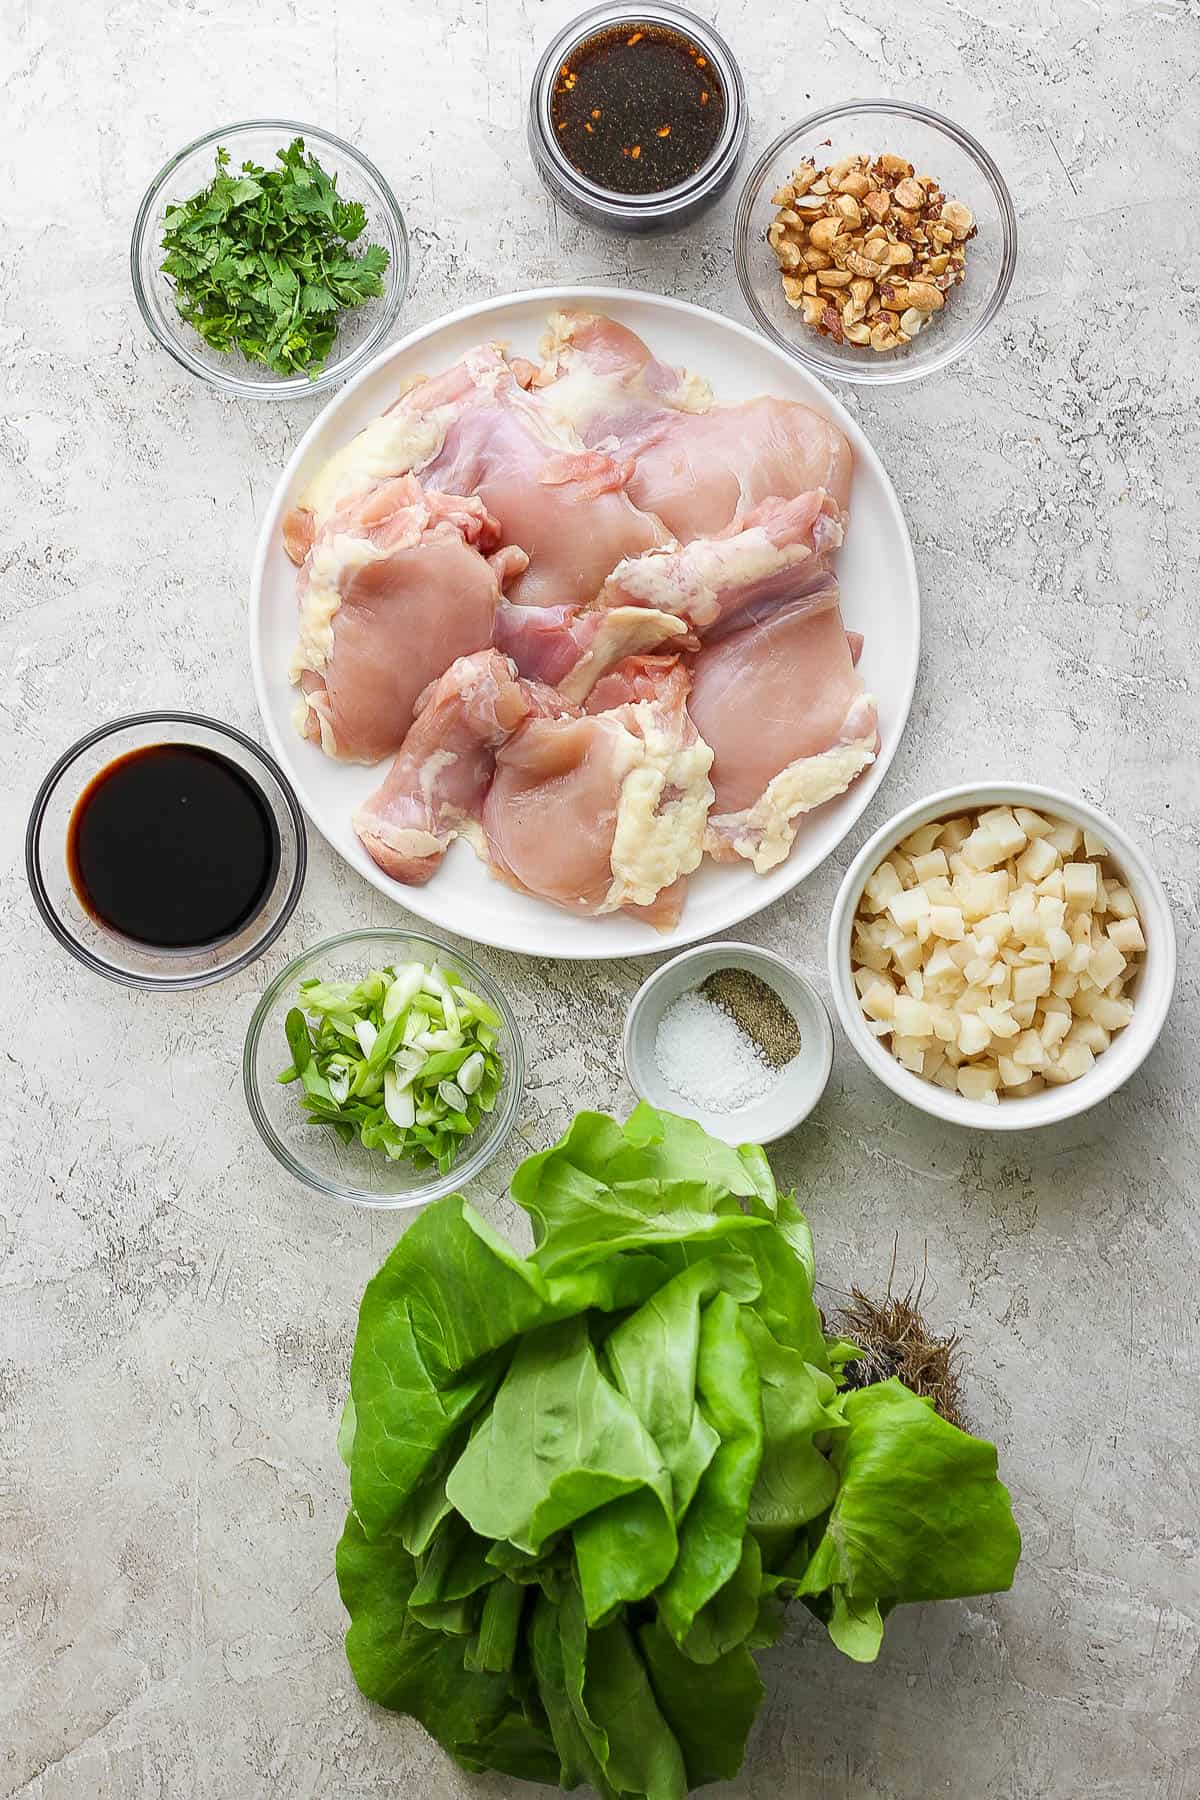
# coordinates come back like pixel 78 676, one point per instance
pixel 291 386
pixel 905 370
pixel 58 926
pixel 473 1163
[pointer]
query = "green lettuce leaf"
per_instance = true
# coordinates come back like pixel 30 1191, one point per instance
pixel 605 1188
pixel 614 1705
pixel 714 1527
pixel 709 1710
pixel 796 1480
pixel 919 1515
pixel 477 1717
pixel 653 1353
pixel 434 1334
pixel 559 1443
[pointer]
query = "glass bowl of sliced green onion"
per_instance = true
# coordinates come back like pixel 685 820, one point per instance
pixel 384 1068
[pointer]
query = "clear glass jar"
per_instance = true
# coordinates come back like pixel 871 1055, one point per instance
pixel 672 207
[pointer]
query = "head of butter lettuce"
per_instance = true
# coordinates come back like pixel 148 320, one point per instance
pixel 585 1482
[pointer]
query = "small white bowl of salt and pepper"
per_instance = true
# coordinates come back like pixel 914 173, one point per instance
pixel 732 1036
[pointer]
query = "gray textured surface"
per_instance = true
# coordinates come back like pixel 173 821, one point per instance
pixel 175 1317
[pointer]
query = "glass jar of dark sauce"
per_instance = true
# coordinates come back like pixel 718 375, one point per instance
pixel 637 117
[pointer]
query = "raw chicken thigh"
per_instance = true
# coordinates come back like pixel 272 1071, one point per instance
pixel 566 505
pixel 789 722
pixel 394 587
pixel 607 811
pixel 676 594
pixel 434 791
pixel 589 613
pixel 476 431
pixel 698 466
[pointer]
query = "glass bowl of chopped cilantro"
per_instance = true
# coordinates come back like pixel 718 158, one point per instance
pixel 270 258
pixel 384 1068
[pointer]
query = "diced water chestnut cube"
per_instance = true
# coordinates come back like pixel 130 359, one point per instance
pixel 1054 1028
pixel 953 833
pixel 1126 934
pixel 1000 1024
pixel 1080 885
pixel 1114 1015
pixel 981 894
pixel 1065 838
pixel 945 1024
pixel 906 908
pixel 879 1001
pixel 907 954
pixel 1037 861
pixel 1032 823
pixel 921 841
pixel 914 1018
pixel 971 999
pixel 1051 913
pixel 880 887
pixel 947 922
pixel 1121 903
pixel 1029 1051
pixel 1106 963
pixel 1022 910
pixel 1076 1060
pixel 1058 943
pixel 978 1083
pixel 983 849
pixel 932 864
pixel 940 969
pixel 1030 981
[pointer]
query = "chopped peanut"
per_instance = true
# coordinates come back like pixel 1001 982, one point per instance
pixel 856 222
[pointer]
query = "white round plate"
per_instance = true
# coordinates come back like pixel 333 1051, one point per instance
pixel 879 598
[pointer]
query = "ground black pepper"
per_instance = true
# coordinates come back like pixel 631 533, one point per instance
pixel 757 1010
pixel 637 108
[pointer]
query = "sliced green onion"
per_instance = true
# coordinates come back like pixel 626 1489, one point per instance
pixel 398 1100
pixel 404 1060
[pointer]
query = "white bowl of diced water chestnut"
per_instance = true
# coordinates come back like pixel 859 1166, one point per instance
pixel 1002 956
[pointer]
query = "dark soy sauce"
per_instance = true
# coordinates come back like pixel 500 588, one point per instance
pixel 173 846
pixel 637 108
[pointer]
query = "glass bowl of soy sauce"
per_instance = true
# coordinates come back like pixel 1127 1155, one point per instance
pixel 166 850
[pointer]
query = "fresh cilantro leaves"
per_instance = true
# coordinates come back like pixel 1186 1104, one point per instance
pixel 261 261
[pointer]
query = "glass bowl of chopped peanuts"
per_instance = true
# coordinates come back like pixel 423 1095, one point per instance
pixel 875 241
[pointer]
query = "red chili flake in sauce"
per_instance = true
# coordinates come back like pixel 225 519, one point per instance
pixel 637 109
